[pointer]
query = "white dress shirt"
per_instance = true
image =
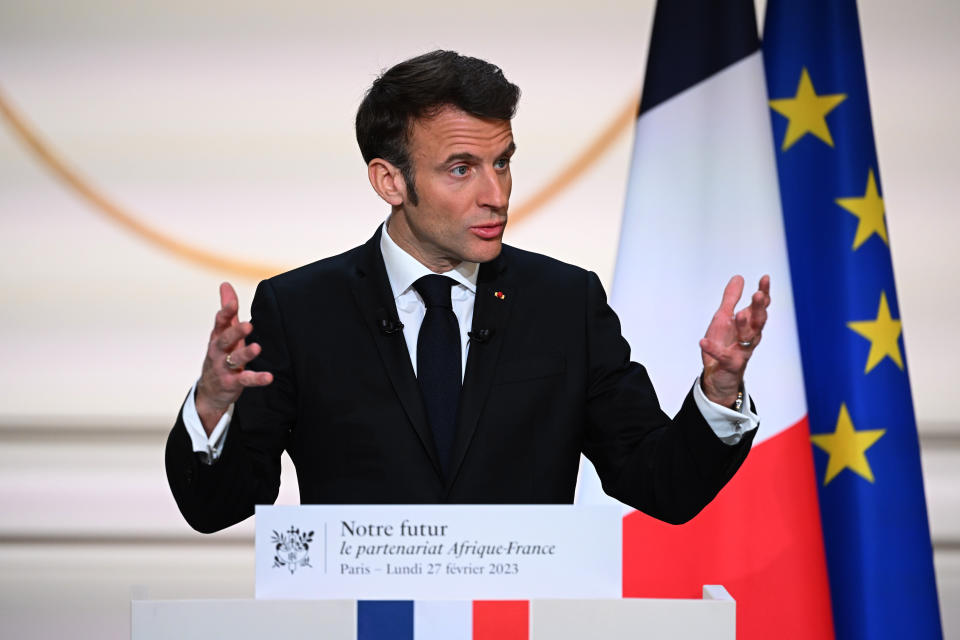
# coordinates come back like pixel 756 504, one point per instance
pixel 402 271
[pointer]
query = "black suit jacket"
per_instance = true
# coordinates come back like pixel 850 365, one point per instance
pixel 552 379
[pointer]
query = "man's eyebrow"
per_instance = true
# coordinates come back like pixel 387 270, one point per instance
pixel 469 157
pixel 461 157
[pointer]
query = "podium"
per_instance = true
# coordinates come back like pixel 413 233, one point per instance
pixel 713 616
pixel 438 572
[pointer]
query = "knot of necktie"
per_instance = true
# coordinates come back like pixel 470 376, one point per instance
pixel 435 290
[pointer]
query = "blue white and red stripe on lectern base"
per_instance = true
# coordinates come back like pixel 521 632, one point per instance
pixel 443 620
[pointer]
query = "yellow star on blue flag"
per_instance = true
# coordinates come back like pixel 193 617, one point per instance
pixel 807 112
pixel 847 447
pixel 884 335
pixel 869 210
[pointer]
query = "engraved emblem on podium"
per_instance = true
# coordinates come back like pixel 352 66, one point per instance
pixel 292 549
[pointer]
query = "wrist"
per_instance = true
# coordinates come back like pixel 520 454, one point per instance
pixel 726 396
pixel 208 412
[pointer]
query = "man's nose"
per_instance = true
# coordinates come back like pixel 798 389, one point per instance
pixel 495 192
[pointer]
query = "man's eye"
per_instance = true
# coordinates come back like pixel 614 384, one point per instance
pixel 459 170
pixel 502 163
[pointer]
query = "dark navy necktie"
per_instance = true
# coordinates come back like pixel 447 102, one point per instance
pixel 438 362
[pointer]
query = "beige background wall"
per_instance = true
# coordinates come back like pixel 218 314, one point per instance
pixel 227 126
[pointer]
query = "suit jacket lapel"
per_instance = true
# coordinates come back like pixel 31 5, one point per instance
pixel 491 311
pixel 375 299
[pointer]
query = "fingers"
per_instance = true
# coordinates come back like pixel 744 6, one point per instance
pixel 744 332
pixel 240 357
pixel 724 360
pixel 761 299
pixel 227 315
pixel 228 297
pixel 758 311
pixel 750 321
pixel 765 286
pixel 222 382
pixel 230 336
pixel 731 358
pixel 224 318
pixel 731 295
pixel 255 378
pixel 732 336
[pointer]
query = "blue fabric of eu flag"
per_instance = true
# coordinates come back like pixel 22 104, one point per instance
pixel 864 435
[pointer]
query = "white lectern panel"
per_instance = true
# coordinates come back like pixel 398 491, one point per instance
pixel 243 619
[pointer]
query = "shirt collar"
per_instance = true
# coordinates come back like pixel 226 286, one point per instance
pixel 403 269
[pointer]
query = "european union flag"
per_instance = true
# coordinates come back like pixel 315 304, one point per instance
pixel 864 435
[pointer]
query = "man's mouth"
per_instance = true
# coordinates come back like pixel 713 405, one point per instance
pixel 488 230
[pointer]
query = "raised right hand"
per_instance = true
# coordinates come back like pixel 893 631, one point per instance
pixel 222 382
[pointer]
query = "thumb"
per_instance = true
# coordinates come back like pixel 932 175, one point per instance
pixel 711 348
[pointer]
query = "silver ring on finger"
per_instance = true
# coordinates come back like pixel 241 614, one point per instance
pixel 233 365
pixel 746 344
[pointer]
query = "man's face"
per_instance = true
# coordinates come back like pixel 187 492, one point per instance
pixel 462 171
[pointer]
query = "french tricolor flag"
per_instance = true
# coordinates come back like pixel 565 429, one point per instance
pixel 702 205
pixel 443 620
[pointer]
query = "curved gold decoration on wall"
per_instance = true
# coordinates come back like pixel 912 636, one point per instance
pixel 259 270
pixel 113 211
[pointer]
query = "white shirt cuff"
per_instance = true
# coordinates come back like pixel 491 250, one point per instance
pixel 727 423
pixel 211 446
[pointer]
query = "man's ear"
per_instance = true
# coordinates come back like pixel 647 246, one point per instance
pixel 387 181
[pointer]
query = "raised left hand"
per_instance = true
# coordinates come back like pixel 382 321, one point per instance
pixel 731 339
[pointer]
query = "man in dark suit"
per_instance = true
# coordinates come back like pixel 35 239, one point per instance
pixel 389 383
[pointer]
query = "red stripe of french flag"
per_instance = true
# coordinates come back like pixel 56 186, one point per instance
pixel 501 620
